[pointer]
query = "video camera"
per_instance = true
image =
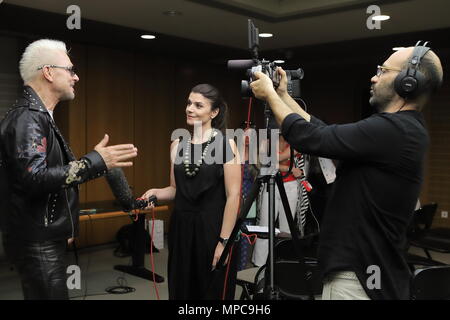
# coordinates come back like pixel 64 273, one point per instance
pixel 269 68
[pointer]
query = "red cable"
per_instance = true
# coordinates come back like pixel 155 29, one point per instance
pixel 136 215
pixel 151 253
pixel 248 236
pixel 249 112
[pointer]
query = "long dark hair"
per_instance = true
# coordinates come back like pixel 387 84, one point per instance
pixel 217 102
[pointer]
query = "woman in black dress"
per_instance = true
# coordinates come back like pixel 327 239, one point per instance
pixel 206 201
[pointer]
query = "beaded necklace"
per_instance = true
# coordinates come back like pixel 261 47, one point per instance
pixel 187 158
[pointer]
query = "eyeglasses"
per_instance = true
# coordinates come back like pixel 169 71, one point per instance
pixel 71 69
pixel 381 70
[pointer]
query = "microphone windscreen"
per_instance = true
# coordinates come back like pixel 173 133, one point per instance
pixel 120 188
pixel 240 64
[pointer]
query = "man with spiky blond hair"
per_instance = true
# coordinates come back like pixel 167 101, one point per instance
pixel 40 175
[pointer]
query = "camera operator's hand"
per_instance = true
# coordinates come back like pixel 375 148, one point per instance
pixel 262 87
pixel 282 87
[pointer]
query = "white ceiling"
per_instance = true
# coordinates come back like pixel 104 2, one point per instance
pixel 224 22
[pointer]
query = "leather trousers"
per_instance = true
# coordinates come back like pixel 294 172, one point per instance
pixel 41 267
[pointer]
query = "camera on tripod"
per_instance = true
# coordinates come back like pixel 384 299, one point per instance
pixel 267 67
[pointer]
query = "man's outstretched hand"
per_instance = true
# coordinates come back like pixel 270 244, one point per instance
pixel 116 156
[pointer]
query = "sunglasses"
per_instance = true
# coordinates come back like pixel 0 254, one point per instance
pixel 71 69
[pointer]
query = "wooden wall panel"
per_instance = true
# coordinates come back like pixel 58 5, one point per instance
pixel 154 121
pixel 439 155
pixel 188 75
pixel 71 116
pixel 142 100
pixel 229 83
pixel 110 107
pixel 335 99
pixel 102 228
pixel 97 232
pixel 424 193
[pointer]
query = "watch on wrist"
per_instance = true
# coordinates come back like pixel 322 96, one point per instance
pixel 223 241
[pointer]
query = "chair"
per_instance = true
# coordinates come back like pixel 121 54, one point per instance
pixel 421 235
pixel 431 283
pixel 246 279
pixel 422 220
pixel 287 276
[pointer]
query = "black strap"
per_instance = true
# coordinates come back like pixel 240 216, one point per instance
pixel 307 274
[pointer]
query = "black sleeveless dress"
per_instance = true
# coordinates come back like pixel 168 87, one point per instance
pixel 195 228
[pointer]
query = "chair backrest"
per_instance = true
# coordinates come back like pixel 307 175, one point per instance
pixel 422 220
pixel 426 215
pixel 431 283
pixel 287 275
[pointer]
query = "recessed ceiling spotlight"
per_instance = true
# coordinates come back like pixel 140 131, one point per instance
pixel 172 13
pixel 265 35
pixel 279 61
pixel 381 17
pixel 148 36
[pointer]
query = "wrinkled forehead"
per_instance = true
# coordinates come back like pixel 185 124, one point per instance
pixel 399 58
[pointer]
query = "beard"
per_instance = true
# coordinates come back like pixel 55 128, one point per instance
pixel 382 97
pixel 378 104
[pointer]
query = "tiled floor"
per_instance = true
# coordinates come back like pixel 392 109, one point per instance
pixel 97 274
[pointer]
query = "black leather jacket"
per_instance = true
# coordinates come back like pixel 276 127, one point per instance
pixel 42 175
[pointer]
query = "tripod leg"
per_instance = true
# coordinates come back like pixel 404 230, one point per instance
pixel 306 275
pixel 270 288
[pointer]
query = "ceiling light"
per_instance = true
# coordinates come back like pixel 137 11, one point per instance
pixel 148 36
pixel 265 35
pixel 172 13
pixel 398 48
pixel 279 61
pixel 381 17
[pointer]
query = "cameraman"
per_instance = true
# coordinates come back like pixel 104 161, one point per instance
pixel 378 180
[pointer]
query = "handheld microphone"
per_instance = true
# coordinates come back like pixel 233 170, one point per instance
pixel 119 186
pixel 143 203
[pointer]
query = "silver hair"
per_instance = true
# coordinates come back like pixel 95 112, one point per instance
pixel 38 54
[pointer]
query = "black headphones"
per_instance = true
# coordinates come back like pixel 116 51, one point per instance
pixel 410 82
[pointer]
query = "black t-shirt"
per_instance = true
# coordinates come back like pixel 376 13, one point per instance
pixel 373 198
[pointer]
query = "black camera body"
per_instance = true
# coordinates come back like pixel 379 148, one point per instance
pixel 267 67
pixel 270 69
